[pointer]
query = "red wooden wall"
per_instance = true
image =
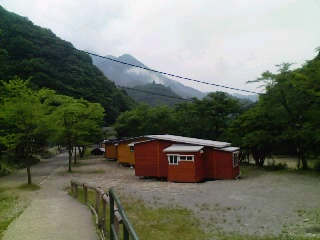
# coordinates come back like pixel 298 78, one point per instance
pixel 187 171
pixel 150 160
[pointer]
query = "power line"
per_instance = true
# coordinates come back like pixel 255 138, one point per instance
pixel 129 64
pixel 169 74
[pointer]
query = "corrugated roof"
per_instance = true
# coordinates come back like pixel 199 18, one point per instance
pixel 188 140
pixel 183 148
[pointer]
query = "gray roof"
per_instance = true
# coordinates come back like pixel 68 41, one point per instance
pixel 230 149
pixel 194 141
pixel 183 148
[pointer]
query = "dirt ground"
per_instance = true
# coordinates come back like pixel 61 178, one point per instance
pixel 267 203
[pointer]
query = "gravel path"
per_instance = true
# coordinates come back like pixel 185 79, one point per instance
pixel 52 214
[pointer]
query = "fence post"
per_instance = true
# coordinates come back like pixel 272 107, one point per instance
pixel 97 205
pixel 85 193
pixel 111 215
pixel 72 186
pixel 104 213
pixel 76 190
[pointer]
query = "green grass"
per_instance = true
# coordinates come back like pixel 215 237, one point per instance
pixel 165 222
pixel 155 223
pixel 250 170
pixel 29 187
pixel 9 202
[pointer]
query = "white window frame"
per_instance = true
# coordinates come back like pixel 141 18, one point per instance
pixel 235 159
pixel 186 158
pixel 173 155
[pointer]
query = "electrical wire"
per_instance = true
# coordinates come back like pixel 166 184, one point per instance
pixel 132 65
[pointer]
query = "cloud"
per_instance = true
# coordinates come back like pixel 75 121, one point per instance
pixel 228 41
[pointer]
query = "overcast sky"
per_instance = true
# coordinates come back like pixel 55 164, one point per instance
pixel 226 42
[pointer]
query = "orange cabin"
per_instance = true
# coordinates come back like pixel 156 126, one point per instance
pixel 111 149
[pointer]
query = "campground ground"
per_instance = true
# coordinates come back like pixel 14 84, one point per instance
pixel 261 203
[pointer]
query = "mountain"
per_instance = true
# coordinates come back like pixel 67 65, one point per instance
pixel 129 76
pixel 29 51
pixel 163 95
pixel 252 97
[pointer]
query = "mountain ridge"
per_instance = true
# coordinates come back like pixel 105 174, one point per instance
pixel 129 76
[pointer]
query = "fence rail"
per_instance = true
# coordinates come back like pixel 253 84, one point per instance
pixel 117 216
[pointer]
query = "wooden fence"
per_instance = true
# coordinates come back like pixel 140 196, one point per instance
pixel 117 216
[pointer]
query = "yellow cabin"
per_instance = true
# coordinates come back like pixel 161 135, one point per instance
pixel 126 150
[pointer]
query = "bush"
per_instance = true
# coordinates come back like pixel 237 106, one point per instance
pixel 316 166
pixel 273 166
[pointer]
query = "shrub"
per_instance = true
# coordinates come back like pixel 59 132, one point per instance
pixel 273 166
pixel 316 166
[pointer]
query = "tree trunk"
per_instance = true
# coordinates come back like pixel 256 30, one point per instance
pixel 81 152
pixel 28 169
pixel 75 155
pixel 70 158
pixel 304 162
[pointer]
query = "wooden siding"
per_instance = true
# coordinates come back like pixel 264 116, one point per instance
pixel 209 162
pixel 125 155
pixel 224 166
pixel 150 161
pixel 111 151
pixel 187 171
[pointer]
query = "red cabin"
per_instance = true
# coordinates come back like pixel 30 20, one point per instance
pixel 181 159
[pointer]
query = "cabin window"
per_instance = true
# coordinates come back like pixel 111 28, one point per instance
pixel 235 159
pixel 173 159
pixel 131 148
pixel 186 158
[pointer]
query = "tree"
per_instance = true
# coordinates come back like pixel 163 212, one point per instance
pixel 22 116
pixel 293 96
pixel 207 118
pixel 255 131
pixel 145 120
pixel 79 122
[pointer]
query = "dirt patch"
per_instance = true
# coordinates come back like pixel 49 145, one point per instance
pixel 265 204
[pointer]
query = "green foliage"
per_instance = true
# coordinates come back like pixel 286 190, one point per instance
pixel 27 50
pixel 207 118
pixel 78 122
pixel 32 118
pixel 273 166
pixel 316 165
pixel 285 117
pixel 145 120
